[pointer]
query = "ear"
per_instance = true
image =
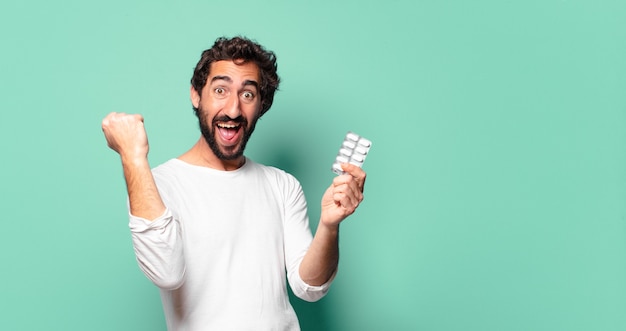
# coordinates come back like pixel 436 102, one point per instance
pixel 195 97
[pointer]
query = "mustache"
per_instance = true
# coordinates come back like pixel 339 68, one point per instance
pixel 225 118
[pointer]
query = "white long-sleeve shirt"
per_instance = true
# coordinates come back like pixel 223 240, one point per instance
pixel 220 251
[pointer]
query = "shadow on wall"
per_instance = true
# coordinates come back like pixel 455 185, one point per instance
pixel 312 315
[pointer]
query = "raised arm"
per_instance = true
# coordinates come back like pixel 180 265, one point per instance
pixel 339 201
pixel 156 235
pixel 125 134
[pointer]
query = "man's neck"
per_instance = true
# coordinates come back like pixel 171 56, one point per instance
pixel 202 155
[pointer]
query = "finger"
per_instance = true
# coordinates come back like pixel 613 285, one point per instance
pixel 138 117
pixel 356 172
pixel 347 202
pixel 351 187
pixel 106 122
pixel 348 195
pixel 347 182
pixel 351 183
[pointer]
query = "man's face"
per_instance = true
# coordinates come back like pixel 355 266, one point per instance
pixel 228 107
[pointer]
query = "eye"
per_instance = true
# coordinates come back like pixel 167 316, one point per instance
pixel 248 95
pixel 220 92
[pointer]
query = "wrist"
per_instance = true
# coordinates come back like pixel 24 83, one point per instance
pixel 331 228
pixel 134 161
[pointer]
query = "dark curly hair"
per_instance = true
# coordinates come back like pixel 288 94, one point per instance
pixel 245 50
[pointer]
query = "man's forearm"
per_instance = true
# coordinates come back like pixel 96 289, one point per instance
pixel 143 196
pixel 322 258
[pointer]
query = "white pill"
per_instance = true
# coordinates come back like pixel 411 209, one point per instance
pixel 352 136
pixel 365 142
pixel 345 151
pixel 358 158
pixel 361 150
pixel 349 144
pixel 337 168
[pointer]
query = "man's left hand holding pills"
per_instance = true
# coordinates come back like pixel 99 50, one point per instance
pixel 343 196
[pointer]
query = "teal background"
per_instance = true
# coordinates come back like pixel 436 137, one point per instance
pixel 496 188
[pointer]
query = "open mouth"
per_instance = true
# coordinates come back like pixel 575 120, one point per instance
pixel 229 131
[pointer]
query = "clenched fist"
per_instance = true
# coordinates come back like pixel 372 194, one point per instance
pixel 125 134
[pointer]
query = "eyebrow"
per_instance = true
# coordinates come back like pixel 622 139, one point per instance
pixel 226 78
pixel 251 82
pixel 229 80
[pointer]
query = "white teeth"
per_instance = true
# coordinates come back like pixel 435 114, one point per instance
pixel 228 126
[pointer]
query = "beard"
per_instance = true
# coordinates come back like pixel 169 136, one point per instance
pixel 208 132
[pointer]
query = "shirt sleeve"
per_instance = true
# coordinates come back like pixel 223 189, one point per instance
pixel 298 238
pixel 159 249
pixel 308 292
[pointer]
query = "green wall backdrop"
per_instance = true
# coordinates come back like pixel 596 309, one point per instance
pixel 496 187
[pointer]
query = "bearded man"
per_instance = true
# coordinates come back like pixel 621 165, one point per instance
pixel 220 235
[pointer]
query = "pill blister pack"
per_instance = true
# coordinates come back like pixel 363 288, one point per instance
pixel 353 150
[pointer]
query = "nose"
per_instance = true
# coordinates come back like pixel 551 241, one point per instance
pixel 232 108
